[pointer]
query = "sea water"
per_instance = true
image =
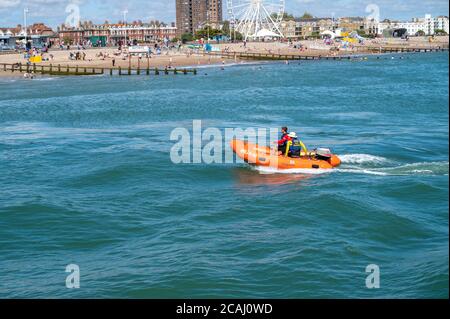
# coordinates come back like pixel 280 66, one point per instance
pixel 86 178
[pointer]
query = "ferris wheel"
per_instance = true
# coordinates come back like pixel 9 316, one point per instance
pixel 254 18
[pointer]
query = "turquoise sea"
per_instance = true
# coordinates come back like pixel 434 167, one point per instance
pixel 86 179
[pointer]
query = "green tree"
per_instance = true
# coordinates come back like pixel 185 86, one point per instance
pixel 286 16
pixel 226 27
pixel 306 15
pixel 361 33
pixel 420 33
pixel 440 32
pixel 203 33
pixel 187 37
pixel 67 40
pixel 239 36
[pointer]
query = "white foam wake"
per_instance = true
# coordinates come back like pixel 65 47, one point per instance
pixel 422 168
pixel 362 159
pixel 308 171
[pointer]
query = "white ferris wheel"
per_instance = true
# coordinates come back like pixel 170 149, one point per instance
pixel 256 18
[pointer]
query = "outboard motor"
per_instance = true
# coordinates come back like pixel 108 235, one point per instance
pixel 323 154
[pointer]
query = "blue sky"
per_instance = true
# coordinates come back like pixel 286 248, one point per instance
pixel 53 12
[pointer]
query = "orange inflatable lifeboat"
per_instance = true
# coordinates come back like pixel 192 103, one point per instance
pixel 264 156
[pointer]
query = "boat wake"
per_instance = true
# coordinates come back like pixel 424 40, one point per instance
pixel 306 171
pixel 369 165
pixel 422 168
pixel 362 159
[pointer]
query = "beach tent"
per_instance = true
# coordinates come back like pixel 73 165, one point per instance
pixel 264 33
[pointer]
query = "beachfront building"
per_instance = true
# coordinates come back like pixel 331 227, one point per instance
pixel 288 29
pixel 144 33
pixel 70 35
pixel 313 27
pixel 193 15
pixel 38 35
pixel 7 39
pixel 441 23
pixel 115 34
pixel 426 25
pixel 350 24
pixel 371 27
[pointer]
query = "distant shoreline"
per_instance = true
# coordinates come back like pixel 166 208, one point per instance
pixel 111 58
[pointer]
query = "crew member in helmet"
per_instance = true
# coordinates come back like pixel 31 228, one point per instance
pixel 295 146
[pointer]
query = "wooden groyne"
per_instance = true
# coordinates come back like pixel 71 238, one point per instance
pixel 389 49
pixel 284 57
pixel 66 70
pixel 262 56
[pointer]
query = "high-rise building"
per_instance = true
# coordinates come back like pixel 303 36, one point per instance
pixel 196 14
pixel 215 11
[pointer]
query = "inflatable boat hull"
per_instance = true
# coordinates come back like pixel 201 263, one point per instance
pixel 262 156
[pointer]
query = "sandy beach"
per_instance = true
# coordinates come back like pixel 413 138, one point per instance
pixel 109 58
pixel 113 58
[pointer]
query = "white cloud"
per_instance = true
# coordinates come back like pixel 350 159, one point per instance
pixel 6 4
